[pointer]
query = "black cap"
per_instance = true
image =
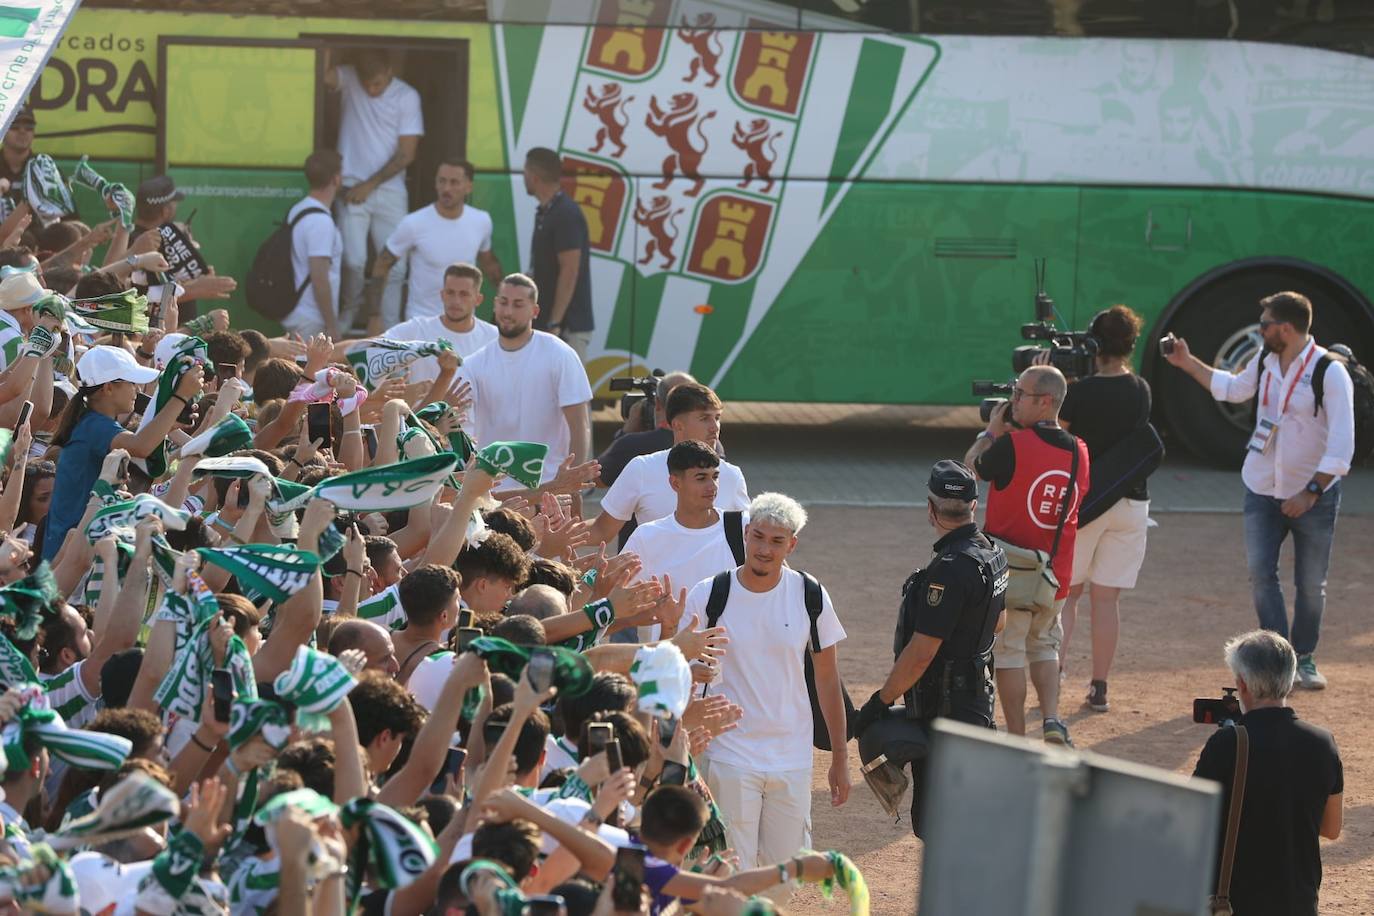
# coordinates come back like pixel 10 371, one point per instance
pixel 25 113
pixel 160 189
pixel 953 480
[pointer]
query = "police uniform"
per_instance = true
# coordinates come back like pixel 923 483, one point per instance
pixel 957 598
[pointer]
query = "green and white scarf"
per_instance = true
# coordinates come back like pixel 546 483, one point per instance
pixel 459 442
pixel 124 312
pixel 188 353
pixel 268 718
pixel 182 691
pixel 109 191
pixel 127 514
pixel 375 359
pixel 397 849
pixel 265 570
pixel 523 461
pixel 228 435
pixel 23 602
pixel 45 190
pixel 389 486
pixel 57 893
pixel 172 876
pixel 15 667
pixel 128 807
pixel 316 682
pixel 572 673
pixel 664 679
pixel 83 749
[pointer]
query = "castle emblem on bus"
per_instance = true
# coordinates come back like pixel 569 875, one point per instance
pixel 630 44
pixel 600 192
pixel 771 69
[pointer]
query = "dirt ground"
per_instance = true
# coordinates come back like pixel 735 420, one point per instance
pixel 1191 597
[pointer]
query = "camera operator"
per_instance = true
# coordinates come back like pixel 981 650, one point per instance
pixel 1292 786
pixel 1032 505
pixel 645 431
pixel 1105 410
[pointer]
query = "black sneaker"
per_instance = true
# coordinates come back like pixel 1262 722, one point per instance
pixel 1097 697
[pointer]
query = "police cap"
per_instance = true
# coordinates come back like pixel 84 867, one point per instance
pixel 953 480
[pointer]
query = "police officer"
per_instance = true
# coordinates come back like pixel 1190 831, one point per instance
pixel 951 610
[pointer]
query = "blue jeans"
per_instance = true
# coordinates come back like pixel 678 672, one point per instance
pixel 1265 529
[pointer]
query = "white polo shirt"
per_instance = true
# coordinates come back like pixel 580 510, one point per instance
pixel 763 671
pixel 642 491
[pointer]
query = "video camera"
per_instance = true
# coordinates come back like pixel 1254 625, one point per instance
pixel 1071 352
pixel 638 389
pixel 1218 711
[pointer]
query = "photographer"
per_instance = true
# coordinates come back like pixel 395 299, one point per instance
pixel 1292 786
pixel 645 431
pixel 1107 410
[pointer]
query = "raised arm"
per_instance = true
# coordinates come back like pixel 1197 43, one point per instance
pixel 431 744
pixel 142 443
pixel 298 617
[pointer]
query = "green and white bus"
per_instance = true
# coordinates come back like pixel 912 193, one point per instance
pixel 829 201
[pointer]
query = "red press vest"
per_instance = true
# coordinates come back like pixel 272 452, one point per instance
pixel 1026 513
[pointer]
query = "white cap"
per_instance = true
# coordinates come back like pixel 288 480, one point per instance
pixel 21 290
pixel 162 353
pixel 109 364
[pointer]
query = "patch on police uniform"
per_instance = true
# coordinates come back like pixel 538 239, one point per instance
pixel 934 595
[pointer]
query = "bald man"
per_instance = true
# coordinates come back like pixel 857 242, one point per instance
pixel 538 601
pixel 1030 461
pixel 374 641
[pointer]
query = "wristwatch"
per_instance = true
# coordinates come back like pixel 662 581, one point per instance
pixel 1314 488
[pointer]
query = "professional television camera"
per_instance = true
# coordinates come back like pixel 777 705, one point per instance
pixel 1071 352
pixel 640 392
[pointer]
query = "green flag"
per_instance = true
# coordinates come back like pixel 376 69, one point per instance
pixel 390 486
pixel 228 435
pixel 523 461
pixel 267 570
pixel 125 312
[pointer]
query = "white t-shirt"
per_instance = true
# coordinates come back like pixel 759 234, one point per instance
pixel 519 395
pixel 465 343
pixel 315 236
pixel 763 671
pixel 369 128
pixel 433 242
pixel 642 491
pixel 686 555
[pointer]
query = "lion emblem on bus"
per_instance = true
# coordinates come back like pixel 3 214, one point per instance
pixel 609 107
pixel 658 219
pixel 758 144
pixel 705 47
pixel 675 126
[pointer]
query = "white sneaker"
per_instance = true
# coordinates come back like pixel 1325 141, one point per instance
pixel 1309 677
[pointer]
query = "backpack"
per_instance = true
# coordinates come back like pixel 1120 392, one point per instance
pixel 1363 400
pixel 815 604
pixel 270 286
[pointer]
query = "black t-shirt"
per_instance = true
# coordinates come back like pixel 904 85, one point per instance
pixel 1294 768
pixel 951 598
pixel 560 226
pixel 1104 409
pixel 629 446
pixel 998 464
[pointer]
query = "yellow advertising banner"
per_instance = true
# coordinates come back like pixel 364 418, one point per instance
pixel 98 94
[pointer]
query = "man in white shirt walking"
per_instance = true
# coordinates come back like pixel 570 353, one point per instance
pixel 691 543
pixel 457 323
pixel 1294 463
pixel 380 125
pixel 448 231
pixel 528 385
pixel 642 491
pixel 760 773
pixel 316 250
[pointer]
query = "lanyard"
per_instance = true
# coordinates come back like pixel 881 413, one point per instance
pixel 1291 388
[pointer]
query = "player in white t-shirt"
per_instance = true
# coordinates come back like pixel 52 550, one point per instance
pixel 448 231
pixel 690 544
pixel 457 323
pixel 528 385
pixel 316 249
pixel 380 125
pixel 760 773
pixel 642 490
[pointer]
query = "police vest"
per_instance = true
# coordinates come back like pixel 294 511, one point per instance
pixel 948 673
pixel 1026 513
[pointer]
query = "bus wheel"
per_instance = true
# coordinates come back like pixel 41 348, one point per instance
pixel 1220 321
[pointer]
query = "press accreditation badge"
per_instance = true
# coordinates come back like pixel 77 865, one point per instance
pixel 1266 431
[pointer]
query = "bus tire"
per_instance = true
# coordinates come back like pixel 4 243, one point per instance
pixel 1214 319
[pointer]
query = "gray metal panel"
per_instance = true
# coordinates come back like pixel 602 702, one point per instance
pixel 1016 828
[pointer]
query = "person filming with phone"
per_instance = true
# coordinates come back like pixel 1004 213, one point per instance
pixel 1302 446
pixel 1291 784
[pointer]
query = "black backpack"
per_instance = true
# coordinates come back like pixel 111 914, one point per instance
pixel 815 604
pixel 271 287
pixel 1363 400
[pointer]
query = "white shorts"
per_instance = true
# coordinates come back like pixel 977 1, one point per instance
pixel 1110 549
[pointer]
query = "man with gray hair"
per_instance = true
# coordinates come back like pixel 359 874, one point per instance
pixel 1038 473
pixel 1293 786
pixel 760 773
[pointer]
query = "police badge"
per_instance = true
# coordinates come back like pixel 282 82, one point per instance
pixel 934 595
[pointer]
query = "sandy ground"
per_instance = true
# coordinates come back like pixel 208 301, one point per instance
pixel 1192 595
